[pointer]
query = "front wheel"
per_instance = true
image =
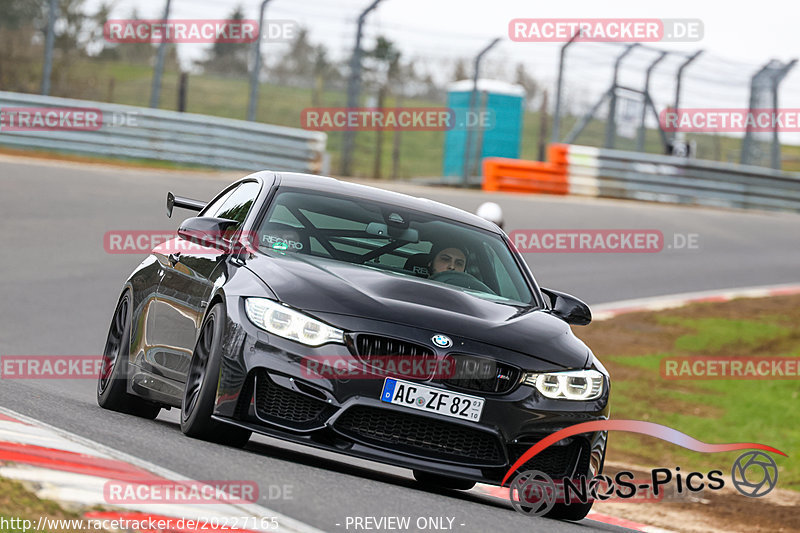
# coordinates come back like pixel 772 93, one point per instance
pixel 573 512
pixel 112 382
pixel 201 386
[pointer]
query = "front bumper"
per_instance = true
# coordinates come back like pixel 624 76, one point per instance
pixel 263 387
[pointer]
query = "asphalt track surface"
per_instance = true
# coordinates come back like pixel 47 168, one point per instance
pixel 58 288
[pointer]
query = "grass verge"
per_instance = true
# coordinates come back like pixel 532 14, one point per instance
pixel 18 504
pixel 632 347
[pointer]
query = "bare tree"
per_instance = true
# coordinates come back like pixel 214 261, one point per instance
pixel 460 72
pixel 530 85
pixel 228 58
pixel 384 67
pixel 136 53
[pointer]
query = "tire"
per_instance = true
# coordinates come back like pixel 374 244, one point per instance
pixel 445 482
pixel 201 386
pixel 112 382
pixel 574 511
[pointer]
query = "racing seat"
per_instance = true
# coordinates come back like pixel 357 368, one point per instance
pixel 473 269
pixel 417 264
pixel 296 239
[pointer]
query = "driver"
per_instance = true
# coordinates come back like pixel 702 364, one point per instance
pixel 447 258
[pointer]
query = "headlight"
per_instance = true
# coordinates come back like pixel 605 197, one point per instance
pixel 572 385
pixel 290 324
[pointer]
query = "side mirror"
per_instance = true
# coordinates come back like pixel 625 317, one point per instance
pixel 209 231
pixel 568 308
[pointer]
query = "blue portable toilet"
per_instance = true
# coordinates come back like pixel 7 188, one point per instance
pixel 504 104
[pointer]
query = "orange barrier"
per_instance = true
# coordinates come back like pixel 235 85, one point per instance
pixel 517 175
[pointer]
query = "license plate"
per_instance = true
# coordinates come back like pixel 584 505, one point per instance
pixel 432 400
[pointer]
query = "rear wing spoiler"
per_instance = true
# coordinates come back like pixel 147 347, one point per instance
pixel 185 203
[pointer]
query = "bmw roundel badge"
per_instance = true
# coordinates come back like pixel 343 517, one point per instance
pixel 442 341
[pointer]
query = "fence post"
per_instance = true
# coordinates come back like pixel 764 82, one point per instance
pixel 182 86
pixel 647 99
pixel 679 77
pixel 775 155
pixel 559 87
pixel 155 91
pixel 253 103
pixel 47 68
pixel 353 88
pixel 611 121
pixel 472 97
pixel 543 126
pixel 746 157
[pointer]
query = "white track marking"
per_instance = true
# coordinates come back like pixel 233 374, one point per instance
pixel 65 440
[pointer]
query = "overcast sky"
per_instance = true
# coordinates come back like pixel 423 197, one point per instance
pixel 738 38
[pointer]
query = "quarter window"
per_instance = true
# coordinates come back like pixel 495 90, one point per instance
pixel 238 203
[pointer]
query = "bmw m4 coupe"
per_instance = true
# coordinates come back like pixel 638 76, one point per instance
pixel 360 321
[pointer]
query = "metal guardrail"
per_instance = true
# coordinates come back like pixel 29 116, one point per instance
pixel 144 133
pixel 659 178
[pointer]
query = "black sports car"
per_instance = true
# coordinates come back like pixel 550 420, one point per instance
pixel 242 320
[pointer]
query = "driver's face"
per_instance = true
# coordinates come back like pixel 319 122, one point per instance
pixel 449 259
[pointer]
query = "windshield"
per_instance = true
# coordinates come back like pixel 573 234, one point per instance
pixel 403 241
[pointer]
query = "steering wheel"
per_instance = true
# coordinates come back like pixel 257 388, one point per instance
pixel 461 279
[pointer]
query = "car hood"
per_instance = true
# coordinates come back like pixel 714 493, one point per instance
pixel 334 287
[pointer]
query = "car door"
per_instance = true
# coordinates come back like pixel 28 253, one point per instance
pixel 187 282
